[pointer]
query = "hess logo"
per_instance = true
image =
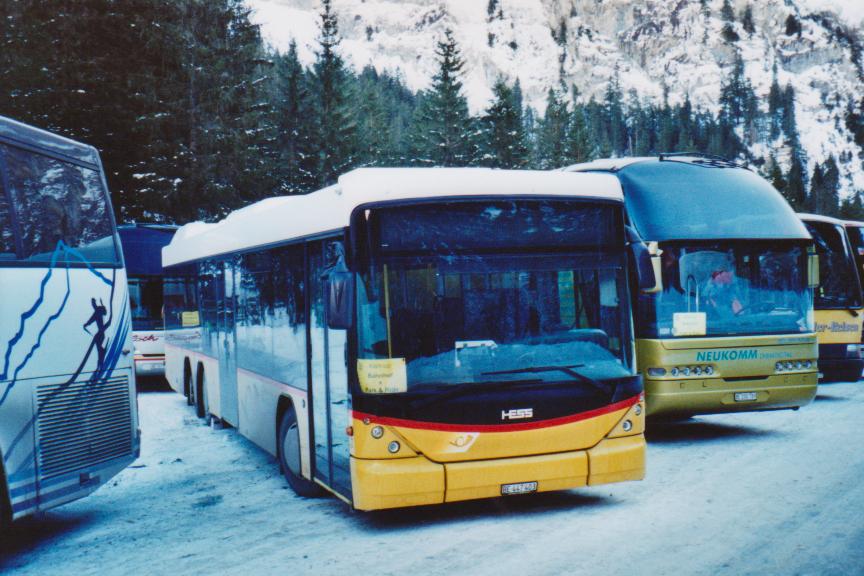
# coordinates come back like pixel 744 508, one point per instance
pixel 517 414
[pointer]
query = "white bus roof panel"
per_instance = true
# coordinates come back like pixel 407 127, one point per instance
pixel 281 219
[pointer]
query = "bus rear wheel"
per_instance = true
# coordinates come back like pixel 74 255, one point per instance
pixel 289 456
pixel 200 394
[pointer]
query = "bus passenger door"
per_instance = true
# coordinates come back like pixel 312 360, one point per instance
pixel 328 371
pixel 228 347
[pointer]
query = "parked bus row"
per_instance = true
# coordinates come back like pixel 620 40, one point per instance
pixel 416 336
pixel 413 336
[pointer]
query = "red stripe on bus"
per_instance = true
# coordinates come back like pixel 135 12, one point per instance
pixel 515 427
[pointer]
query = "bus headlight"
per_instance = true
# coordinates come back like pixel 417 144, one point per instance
pixel 393 447
pixel 709 370
pixel 627 426
pixel 656 372
pixel 675 371
pixel 778 367
pixel 377 432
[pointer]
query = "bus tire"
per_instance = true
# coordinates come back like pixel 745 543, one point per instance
pixel 187 383
pixel 200 404
pixel 288 449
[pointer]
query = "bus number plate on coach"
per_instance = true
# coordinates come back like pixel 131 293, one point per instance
pixel 520 488
pixel 745 396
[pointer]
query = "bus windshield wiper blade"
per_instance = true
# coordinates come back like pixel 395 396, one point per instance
pixel 570 370
pixel 462 389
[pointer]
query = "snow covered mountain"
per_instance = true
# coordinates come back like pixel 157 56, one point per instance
pixel 677 44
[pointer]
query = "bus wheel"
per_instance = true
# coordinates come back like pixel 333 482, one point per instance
pixel 187 383
pixel 200 404
pixel 289 456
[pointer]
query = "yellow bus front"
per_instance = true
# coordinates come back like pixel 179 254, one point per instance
pixel 729 325
pixel 494 352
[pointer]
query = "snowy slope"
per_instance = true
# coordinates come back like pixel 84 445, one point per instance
pixel 652 43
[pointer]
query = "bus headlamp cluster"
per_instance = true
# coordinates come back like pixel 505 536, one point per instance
pixel 793 365
pixel 694 371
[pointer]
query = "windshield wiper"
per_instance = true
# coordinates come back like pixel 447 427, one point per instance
pixel 570 370
pixel 462 389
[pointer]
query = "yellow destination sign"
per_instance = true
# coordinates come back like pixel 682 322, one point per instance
pixel 190 319
pixel 387 376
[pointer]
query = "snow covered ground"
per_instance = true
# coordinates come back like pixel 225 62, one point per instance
pixel 770 493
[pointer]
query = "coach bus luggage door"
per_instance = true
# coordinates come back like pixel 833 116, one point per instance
pixel 330 400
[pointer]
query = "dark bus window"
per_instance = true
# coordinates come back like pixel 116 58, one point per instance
pixel 838 281
pixel 145 300
pixel 57 201
pixel 7 237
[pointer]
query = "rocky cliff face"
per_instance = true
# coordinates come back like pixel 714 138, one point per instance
pixel 679 45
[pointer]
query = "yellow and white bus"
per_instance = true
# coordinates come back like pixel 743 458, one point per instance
pixel 419 336
pixel 838 301
pixel 729 325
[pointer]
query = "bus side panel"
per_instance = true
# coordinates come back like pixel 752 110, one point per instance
pixel 259 402
pixel 67 338
pixel 838 326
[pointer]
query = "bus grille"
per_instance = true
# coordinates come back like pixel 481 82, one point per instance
pixel 82 425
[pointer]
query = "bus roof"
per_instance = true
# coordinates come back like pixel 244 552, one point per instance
pixel 699 198
pixel 14 132
pixel 142 247
pixel 280 219
pixel 820 218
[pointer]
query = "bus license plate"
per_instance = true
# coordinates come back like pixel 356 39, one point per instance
pixel 745 396
pixel 520 488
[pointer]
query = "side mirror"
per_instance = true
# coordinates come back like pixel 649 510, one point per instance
pixel 812 270
pixel 340 300
pixel 646 261
pixel 645 272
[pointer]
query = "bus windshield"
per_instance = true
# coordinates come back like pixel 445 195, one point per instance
pixel 838 281
pixel 722 289
pixel 475 311
pixel 145 300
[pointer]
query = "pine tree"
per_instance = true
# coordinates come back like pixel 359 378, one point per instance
pixel 727 12
pixel 579 148
pixel 443 132
pixel 503 133
pixel 552 137
pixel 335 122
pixel 297 160
pixel 737 98
pixel 774 174
pixel 795 191
pixel 616 123
pixel 747 21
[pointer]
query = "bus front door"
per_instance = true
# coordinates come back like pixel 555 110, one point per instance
pixel 329 372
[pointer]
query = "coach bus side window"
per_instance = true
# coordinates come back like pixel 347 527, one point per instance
pixel 58 201
pixel 7 237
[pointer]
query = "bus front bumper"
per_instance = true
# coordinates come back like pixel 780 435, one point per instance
pixel 687 397
pixel 401 482
pixel 150 365
pixel 840 362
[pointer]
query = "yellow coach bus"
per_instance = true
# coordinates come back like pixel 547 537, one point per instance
pixel 838 301
pixel 419 336
pixel 729 325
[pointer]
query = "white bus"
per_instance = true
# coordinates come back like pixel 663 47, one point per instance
pixel 68 419
pixel 419 336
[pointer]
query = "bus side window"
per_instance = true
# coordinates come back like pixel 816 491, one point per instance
pixel 7 236
pixel 59 201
